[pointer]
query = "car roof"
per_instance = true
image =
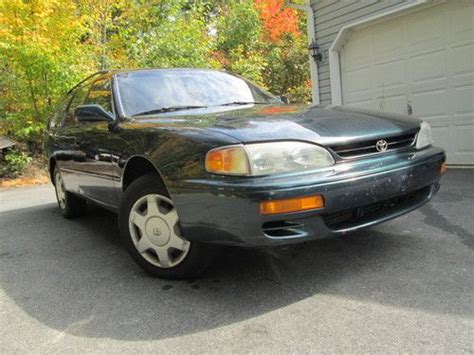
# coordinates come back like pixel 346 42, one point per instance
pixel 140 70
pixel 121 71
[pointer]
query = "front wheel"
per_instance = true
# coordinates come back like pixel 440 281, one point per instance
pixel 150 230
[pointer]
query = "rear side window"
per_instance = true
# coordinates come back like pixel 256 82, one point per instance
pixel 100 94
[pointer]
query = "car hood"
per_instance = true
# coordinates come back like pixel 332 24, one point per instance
pixel 294 122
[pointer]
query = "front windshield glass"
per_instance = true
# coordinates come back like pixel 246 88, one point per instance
pixel 146 91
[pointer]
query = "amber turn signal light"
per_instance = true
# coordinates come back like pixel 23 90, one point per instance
pixel 443 168
pixel 228 161
pixel 292 205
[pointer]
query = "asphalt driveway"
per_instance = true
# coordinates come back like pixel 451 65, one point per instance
pixel 407 285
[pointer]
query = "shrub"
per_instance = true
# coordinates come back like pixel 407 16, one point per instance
pixel 14 163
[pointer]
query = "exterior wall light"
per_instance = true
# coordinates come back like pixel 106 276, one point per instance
pixel 313 49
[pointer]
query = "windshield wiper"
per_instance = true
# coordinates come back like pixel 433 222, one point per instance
pixel 244 103
pixel 166 109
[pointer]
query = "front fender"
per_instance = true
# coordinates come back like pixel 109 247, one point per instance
pixel 177 153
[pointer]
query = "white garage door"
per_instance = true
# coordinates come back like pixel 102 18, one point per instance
pixel 421 62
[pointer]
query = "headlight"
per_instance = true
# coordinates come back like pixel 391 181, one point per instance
pixel 424 136
pixel 267 158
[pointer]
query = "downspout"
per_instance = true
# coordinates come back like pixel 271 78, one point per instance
pixel 313 65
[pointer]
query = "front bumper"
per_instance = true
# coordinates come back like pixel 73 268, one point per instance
pixel 357 194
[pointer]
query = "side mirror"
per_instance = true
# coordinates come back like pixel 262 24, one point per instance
pixel 284 99
pixel 92 113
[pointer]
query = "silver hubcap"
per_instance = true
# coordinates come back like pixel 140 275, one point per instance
pixel 155 232
pixel 60 192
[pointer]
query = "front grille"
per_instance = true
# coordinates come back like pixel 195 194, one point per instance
pixel 368 213
pixel 369 147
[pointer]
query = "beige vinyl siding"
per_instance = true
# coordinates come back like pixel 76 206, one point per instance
pixel 330 16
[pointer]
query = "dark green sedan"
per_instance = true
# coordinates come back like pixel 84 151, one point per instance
pixel 193 158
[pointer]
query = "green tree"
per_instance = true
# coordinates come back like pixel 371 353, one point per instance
pixel 166 34
pixel 47 46
pixel 39 60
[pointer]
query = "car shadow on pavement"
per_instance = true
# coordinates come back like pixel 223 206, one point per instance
pixel 73 276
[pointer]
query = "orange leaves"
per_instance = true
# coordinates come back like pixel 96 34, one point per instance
pixel 276 110
pixel 221 58
pixel 277 19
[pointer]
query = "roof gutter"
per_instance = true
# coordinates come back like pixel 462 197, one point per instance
pixel 313 65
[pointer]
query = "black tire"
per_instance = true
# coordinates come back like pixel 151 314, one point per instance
pixel 199 255
pixel 72 205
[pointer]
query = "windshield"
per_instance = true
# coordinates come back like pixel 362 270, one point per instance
pixel 152 90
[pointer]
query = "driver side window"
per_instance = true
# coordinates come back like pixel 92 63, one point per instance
pixel 70 119
pixel 58 115
pixel 100 94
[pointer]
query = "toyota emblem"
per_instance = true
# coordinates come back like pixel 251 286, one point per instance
pixel 381 145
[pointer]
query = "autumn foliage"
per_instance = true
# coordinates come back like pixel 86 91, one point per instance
pixel 277 19
pixel 46 46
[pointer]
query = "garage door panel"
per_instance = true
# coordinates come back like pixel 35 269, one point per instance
pixel 431 103
pixel 392 104
pixel 463 119
pixel 429 87
pixel 424 30
pixel 428 66
pixel 390 75
pixel 464 141
pixel 425 60
pixel 385 93
pixel 460 81
pixel 426 49
pixel 358 64
pixel 358 81
pixel 461 22
pixel 359 97
pixel 463 99
pixel 462 131
pixel 386 45
pixel 439 130
pixel 462 60
pixel 367 104
pixel 359 52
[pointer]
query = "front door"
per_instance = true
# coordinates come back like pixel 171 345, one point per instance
pixel 100 148
pixel 87 153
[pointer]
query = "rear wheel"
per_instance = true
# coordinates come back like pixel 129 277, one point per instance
pixel 70 205
pixel 150 230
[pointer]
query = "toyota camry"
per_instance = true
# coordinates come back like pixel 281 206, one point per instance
pixel 193 158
